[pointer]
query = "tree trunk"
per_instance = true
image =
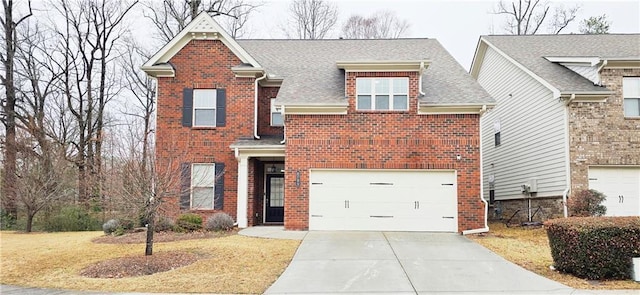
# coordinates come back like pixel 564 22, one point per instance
pixel 150 229
pixel 29 221
pixel 9 176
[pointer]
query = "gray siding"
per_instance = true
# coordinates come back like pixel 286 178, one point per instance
pixel 532 131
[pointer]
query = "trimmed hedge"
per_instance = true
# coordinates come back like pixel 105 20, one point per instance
pixel 594 247
pixel 189 222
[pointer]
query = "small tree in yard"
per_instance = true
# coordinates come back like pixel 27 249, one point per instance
pixel 588 203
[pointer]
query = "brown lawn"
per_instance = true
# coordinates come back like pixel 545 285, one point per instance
pixel 529 248
pixel 222 264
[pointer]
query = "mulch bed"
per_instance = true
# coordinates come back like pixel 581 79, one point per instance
pixel 160 237
pixel 134 266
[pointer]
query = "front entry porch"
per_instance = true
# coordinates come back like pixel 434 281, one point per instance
pixel 261 166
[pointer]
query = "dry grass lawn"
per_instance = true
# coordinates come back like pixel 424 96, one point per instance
pixel 233 264
pixel 529 248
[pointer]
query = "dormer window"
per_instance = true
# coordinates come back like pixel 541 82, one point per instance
pixel 382 94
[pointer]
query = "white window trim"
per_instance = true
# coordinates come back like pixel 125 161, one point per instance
pixel 624 97
pixel 274 110
pixel 194 185
pixel 372 93
pixel 193 111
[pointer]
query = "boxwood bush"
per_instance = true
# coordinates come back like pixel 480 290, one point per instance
pixel 189 222
pixel 594 247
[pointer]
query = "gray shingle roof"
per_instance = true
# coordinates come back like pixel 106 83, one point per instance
pixel 311 75
pixel 530 52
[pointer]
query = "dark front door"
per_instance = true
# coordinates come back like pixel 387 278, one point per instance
pixel 275 198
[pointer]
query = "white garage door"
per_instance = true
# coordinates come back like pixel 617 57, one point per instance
pixel 621 186
pixel 385 200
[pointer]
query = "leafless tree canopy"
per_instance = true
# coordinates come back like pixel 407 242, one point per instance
pixel 311 19
pixel 171 16
pixel 381 25
pixel 527 17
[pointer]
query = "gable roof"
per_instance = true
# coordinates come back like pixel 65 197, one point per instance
pixel 203 27
pixel 537 54
pixel 311 75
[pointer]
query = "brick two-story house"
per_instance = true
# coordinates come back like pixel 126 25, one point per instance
pixel 320 134
pixel 567 119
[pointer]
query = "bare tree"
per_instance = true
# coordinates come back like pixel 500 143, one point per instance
pixel 595 25
pixel 171 16
pixel 10 24
pixel 311 19
pixel 381 25
pixel 42 178
pixel 87 45
pixel 526 17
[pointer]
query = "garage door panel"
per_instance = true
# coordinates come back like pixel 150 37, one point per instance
pixel 621 185
pixel 383 200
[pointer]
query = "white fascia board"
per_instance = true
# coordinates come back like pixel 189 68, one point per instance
pixel 383 65
pixel 622 63
pixel 448 109
pixel 554 90
pixel 160 71
pixel 203 27
pixel 585 96
pixel 247 72
pixel 575 60
pixel 478 58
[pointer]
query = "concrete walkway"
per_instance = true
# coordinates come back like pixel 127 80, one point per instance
pixel 406 263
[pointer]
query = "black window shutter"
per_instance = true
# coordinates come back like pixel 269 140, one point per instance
pixel 221 107
pixel 185 186
pixel 218 200
pixel 187 107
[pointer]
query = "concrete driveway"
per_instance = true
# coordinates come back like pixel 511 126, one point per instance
pixel 403 263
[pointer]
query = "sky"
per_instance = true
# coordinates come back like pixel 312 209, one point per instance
pixel 457 25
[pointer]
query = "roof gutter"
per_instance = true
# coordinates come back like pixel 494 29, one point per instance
pixel 573 96
pixel 255 107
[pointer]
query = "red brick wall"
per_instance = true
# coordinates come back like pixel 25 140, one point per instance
pixel 383 140
pixel 202 64
pixel 264 111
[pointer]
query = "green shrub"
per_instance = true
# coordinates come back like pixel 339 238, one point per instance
pixel 7 221
pixel 119 231
pixel 164 224
pixel 189 222
pixel 72 218
pixel 110 226
pixel 594 247
pixel 127 224
pixel 219 222
pixel 587 203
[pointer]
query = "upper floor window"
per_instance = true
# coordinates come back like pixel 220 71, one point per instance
pixel 382 94
pixel 276 115
pixel 204 107
pixel 631 94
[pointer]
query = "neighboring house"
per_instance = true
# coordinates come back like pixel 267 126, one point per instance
pixel 567 119
pixel 320 134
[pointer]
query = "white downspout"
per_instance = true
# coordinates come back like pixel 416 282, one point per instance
pixel 565 194
pixel 486 204
pixel 564 202
pixel 284 129
pixel 420 79
pixel 255 108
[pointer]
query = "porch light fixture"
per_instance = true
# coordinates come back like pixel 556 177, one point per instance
pixel 272 169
